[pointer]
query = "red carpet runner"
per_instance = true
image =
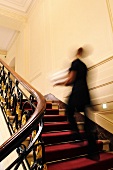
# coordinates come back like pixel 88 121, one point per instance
pixel 61 152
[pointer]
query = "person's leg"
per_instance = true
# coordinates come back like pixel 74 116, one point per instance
pixel 70 110
pixel 93 150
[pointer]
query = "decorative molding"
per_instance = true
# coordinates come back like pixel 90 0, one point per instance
pixel 18 5
pixel 105 84
pixel 97 65
pixel 101 103
pixel 13 15
pixel 100 63
pixel 100 109
pixel 3 52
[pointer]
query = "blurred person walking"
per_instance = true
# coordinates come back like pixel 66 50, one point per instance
pixel 79 101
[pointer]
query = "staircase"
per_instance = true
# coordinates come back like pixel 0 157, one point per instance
pixel 62 153
pixel 24 116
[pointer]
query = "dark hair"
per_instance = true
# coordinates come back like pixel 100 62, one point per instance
pixel 80 50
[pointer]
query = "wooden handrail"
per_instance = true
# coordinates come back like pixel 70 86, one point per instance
pixel 17 138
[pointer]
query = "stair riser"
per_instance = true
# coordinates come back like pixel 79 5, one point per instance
pixel 55 119
pixel 58 139
pixel 83 164
pixel 56 128
pixel 68 153
pixel 55 152
pixel 52 112
pixel 62 119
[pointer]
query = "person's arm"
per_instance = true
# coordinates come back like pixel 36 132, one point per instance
pixel 69 81
pixel 71 78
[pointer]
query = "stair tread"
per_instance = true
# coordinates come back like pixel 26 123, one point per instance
pixel 59 136
pixel 51 109
pixel 62 146
pixel 54 115
pixel 54 118
pixel 59 145
pixel 56 123
pixel 56 126
pixel 59 133
pixel 68 150
pixel 105 162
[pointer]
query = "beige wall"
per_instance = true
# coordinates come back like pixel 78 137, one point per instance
pixel 52 33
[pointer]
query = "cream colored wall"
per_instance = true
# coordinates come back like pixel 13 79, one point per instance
pixel 3 57
pixel 101 84
pixel 13 54
pixel 19 53
pixel 54 30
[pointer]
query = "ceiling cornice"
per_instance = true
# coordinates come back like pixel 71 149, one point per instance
pixel 13 15
pixel 12 20
pixel 21 6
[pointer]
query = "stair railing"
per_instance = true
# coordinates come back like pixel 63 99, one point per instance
pixel 23 108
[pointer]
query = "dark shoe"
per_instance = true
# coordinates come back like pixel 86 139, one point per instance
pixel 94 156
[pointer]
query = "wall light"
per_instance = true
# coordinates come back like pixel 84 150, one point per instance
pixel 104 105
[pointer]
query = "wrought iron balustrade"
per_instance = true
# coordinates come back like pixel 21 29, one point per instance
pixel 23 108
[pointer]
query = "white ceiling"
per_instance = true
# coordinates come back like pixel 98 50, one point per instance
pixel 7 32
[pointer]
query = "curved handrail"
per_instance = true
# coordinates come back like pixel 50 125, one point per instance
pixel 15 140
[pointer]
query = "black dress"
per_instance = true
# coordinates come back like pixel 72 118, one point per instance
pixel 80 92
pixel 78 100
pixel 79 97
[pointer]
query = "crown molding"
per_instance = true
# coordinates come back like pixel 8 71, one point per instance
pixel 13 15
pixel 12 19
pixel 20 6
